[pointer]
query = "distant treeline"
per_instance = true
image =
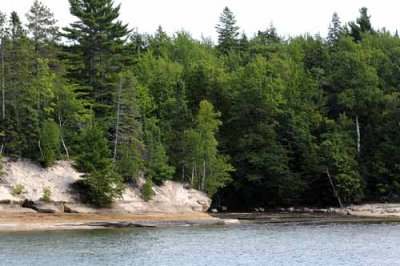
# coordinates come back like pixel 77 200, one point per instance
pixel 252 121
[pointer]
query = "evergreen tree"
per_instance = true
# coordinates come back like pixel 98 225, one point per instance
pixel 95 161
pixel 100 39
pixel 335 31
pixel 227 31
pixel 361 26
pixel 42 26
pixel 128 141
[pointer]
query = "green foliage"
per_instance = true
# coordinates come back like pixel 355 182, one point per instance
pixel 17 190
pixel 227 31
pixel 147 190
pixel 209 170
pixel 254 121
pixel 94 160
pixel 157 167
pixel 49 142
pixel 46 197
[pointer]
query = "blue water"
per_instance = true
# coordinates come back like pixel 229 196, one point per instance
pixel 256 244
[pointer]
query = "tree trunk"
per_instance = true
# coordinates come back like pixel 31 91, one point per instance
pixel 204 175
pixel 334 188
pixel 62 137
pixel 117 122
pixel 358 136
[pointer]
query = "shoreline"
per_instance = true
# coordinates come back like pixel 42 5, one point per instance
pixel 69 221
pixel 31 222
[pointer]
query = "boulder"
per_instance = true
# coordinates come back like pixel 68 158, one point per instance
pixel 261 209
pixel 223 208
pixel 78 208
pixel 45 207
pixel 231 221
pixel 214 210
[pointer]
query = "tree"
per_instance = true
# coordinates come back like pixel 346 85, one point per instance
pixel 98 39
pixel 209 170
pixel 49 142
pixel 340 163
pixel 42 26
pixel 95 161
pixel 128 140
pixel 227 31
pixel 334 32
pixel 361 26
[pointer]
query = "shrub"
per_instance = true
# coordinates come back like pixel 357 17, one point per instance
pixel 17 190
pixel 46 194
pixel 147 190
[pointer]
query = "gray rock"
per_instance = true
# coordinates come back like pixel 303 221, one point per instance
pixel 308 210
pixel 79 208
pixel 214 210
pixel 44 207
pixel 291 209
pixel 261 209
pixel 223 208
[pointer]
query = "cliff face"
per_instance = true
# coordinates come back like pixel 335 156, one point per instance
pixel 22 180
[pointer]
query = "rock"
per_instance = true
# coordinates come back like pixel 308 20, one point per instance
pixel 78 208
pixel 17 209
pixel 308 210
pixel 44 207
pixel 28 204
pixel 205 203
pixel 261 209
pixel 197 208
pixel 256 210
pixel 281 209
pixel 231 221
pixel 223 208
pixel 214 210
pixel 186 185
pixel 291 209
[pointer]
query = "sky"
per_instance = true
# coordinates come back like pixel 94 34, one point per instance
pixel 199 17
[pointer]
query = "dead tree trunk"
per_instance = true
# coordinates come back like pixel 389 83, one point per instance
pixel 335 192
pixel 358 136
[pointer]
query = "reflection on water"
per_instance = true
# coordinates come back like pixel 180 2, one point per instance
pixel 254 244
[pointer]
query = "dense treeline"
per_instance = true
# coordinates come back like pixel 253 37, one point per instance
pixel 259 121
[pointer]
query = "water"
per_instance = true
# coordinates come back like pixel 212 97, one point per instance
pixel 256 244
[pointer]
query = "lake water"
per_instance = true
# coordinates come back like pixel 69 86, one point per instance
pixel 255 244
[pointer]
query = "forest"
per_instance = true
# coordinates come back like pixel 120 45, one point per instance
pixel 260 120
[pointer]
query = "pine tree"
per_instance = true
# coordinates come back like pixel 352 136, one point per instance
pixel 128 143
pixel 42 26
pixel 334 32
pixel 100 39
pixel 361 26
pixel 227 31
pixel 95 161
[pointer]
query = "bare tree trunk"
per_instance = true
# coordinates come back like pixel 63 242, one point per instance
pixel 192 177
pixel 334 188
pixel 117 122
pixel 358 136
pixel 204 175
pixel 62 137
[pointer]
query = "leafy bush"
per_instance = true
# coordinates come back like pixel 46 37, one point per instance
pixel 17 190
pixel 50 143
pixel 46 195
pixel 147 190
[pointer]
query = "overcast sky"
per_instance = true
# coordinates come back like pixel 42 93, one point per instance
pixel 199 17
